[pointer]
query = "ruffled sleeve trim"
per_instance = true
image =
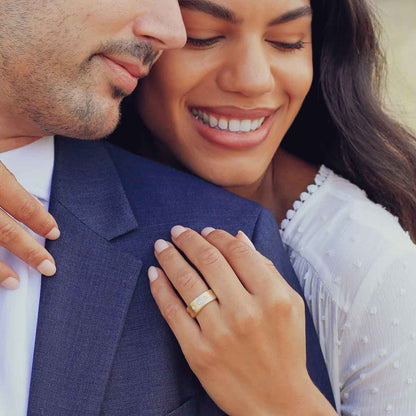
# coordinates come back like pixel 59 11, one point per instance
pixel 320 178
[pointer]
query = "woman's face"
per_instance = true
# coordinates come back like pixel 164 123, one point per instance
pixel 224 102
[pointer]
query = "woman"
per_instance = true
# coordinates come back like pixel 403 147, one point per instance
pixel 249 105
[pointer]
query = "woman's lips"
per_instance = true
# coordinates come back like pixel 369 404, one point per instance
pixel 231 127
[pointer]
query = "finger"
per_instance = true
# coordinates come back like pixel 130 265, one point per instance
pixel 19 242
pixel 185 279
pixel 211 264
pixel 8 278
pixel 243 237
pixel 255 272
pixel 22 206
pixel 172 309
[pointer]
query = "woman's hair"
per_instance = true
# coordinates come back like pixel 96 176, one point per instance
pixel 342 123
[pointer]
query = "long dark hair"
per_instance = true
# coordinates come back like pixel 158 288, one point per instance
pixel 342 123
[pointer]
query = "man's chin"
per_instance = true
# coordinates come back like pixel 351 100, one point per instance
pixel 94 130
pixel 100 125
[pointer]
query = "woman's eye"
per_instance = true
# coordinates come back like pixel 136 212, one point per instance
pixel 287 47
pixel 203 42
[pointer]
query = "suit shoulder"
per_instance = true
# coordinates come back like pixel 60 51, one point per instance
pixel 155 183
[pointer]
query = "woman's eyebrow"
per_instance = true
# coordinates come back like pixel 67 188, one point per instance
pixel 211 8
pixel 291 15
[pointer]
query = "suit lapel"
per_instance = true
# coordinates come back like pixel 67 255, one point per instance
pixel 83 308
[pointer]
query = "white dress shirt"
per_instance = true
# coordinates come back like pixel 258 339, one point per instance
pixel 33 166
pixel 357 268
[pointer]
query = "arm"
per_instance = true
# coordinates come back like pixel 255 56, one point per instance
pixel 377 361
pixel 23 207
pixel 248 349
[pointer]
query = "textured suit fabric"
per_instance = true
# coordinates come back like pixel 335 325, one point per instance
pixel 102 347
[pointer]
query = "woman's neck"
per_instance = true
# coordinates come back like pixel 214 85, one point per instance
pixel 283 182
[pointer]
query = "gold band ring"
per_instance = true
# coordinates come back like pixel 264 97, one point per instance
pixel 200 302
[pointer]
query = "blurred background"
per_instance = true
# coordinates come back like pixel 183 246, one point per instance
pixel 398 18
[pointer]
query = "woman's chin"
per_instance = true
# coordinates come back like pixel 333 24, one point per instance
pixel 231 182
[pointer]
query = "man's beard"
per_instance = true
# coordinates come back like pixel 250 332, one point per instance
pixel 65 102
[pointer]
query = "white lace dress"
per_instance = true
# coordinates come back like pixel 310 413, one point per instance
pixel 357 268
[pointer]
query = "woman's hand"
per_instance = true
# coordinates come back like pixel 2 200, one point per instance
pixel 18 203
pixel 248 347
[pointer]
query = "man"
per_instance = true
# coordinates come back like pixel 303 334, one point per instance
pixel 92 341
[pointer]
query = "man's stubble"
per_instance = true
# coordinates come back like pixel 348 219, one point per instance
pixel 43 80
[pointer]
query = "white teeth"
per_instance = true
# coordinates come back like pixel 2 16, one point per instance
pixel 234 125
pixel 254 125
pixel 213 122
pixel 223 124
pixel 245 126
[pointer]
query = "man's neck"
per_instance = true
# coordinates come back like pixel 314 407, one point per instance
pixel 15 130
pixel 15 143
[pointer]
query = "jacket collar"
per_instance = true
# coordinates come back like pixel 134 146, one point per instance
pixel 85 181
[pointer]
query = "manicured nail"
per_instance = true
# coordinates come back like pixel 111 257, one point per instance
pixel 152 273
pixel 47 268
pixel 207 231
pixel 54 234
pixel 177 230
pixel 246 239
pixel 161 245
pixel 10 283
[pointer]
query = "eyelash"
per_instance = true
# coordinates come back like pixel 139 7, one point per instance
pixel 203 42
pixel 286 47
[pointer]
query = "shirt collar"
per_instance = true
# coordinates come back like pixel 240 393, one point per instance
pixel 32 165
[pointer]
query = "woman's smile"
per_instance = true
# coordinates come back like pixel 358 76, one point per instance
pixel 223 104
pixel 232 127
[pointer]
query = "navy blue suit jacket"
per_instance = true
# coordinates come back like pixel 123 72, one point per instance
pixel 102 346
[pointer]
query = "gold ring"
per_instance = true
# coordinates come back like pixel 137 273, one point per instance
pixel 200 302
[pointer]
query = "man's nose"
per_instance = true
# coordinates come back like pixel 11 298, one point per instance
pixel 162 25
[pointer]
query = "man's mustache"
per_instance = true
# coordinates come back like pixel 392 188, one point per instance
pixel 143 51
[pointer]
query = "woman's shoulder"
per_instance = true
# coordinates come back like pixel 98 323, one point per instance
pixel 335 211
pixel 355 265
pixel 341 234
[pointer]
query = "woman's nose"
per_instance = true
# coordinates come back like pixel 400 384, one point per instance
pixel 247 71
pixel 162 25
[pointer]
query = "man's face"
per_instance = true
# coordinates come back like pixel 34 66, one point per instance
pixel 65 65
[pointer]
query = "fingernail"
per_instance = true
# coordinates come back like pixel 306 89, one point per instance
pixel 47 268
pixel 161 245
pixel 152 273
pixel 177 230
pixel 54 234
pixel 207 231
pixel 10 283
pixel 246 239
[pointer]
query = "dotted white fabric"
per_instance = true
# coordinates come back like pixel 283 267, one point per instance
pixel 357 268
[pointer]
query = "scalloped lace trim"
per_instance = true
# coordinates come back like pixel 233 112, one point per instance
pixel 319 180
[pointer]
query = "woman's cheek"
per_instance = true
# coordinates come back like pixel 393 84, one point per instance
pixel 294 75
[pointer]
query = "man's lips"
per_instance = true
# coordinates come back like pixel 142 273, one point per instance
pixel 126 74
pixel 135 70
